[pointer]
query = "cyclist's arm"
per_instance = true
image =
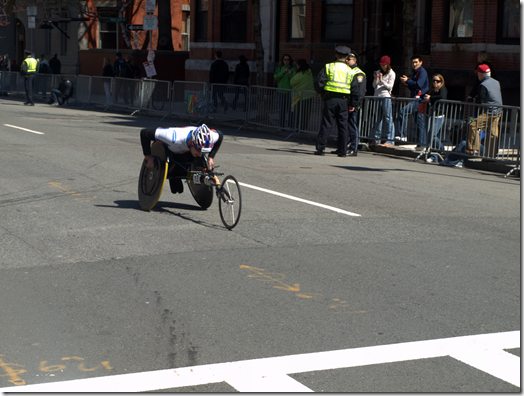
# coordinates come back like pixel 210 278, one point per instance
pixel 217 144
pixel 146 137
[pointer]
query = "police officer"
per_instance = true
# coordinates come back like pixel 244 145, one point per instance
pixel 358 91
pixel 28 70
pixel 334 83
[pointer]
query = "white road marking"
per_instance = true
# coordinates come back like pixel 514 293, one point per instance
pixel 24 129
pixel 484 352
pixel 300 200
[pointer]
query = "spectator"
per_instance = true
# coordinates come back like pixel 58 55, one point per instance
pixel 3 63
pixel 43 68
pixel 63 93
pixel 132 72
pixel 108 73
pixel 14 66
pixel 418 85
pixel 283 75
pixel 242 75
pixel 120 71
pixel 219 74
pixel 333 82
pixel 358 91
pixel 28 71
pixel 435 119
pixel 55 64
pixel 488 93
pixel 7 62
pixel 301 81
pixel 482 59
pixel 383 81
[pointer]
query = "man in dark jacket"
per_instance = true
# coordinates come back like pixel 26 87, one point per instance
pixel 219 74
pixel 55 64
pixel 358 91
pixel 120 70
pixel 418 85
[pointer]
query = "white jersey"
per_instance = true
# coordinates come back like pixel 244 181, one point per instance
pixel 177 139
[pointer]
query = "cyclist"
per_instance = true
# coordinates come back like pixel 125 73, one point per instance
pixel 184 144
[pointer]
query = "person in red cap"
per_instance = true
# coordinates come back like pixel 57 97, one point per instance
pixel 482 59
pixel 383 81
pixel 489 94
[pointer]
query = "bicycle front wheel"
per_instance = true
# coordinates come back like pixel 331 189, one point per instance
pixel 230 202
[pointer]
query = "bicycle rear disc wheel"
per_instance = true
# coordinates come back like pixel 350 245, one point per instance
pixel 230 202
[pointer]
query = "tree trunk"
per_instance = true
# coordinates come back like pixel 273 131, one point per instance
pixel 258 42
pixel 165 39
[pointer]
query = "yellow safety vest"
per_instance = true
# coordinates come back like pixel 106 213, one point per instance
pixel 356 70
pixel 31 64
pixel 339 78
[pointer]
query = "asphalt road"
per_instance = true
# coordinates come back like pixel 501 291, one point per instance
pixel 92 286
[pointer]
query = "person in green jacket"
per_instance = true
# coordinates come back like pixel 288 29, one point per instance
pixel 301 81
pixel 283 74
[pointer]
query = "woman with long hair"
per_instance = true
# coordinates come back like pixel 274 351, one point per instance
pixel 283 75
pixel 107 71
pixel 435 118
pixel 383 81
pixel 302 80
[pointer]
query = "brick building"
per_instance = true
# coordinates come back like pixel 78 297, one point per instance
pixel 447 34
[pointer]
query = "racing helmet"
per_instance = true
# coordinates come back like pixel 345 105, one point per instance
pixel 201 137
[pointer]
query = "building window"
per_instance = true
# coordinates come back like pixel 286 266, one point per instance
pixel 106 29
pixel 337 20
pixel 233 21
pixel 508 22
pixel 298 19
pixel 201 20
pixel 186 28
pixel 460 19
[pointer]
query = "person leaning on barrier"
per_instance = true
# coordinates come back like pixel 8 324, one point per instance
pixel 63 93
pixel 436 92
pixel 489 93
pixel 184 143
pixel 334 83
pixel 301 81
pixel 28 70
pixel 358 91
pixel 482 59
pixel 418 85
pixel 283 75
pixel 107 72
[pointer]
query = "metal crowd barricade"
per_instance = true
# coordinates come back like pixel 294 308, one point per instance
pixel 490 132
pixel 101 91
pixel 271 107
pixel 13 83
pixel 127 93
pixel 155 95
pixel 42 86
pixel 307 108
pixel 189 100
pixel 227 102
pixel 83 90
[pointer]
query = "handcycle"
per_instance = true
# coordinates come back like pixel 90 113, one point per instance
pixel 200 179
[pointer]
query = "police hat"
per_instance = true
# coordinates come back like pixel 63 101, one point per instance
pixel 353 55
pixel 28 52
pixel 343 50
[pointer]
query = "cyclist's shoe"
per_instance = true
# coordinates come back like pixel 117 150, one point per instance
pixel 176 186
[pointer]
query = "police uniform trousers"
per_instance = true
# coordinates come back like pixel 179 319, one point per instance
pixel 353 130
pixel 29 82
pixel 337 108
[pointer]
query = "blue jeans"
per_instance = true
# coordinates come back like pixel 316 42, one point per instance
pixel 410 108
pixel 433 131
pixel 384 109
pixel 461 148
